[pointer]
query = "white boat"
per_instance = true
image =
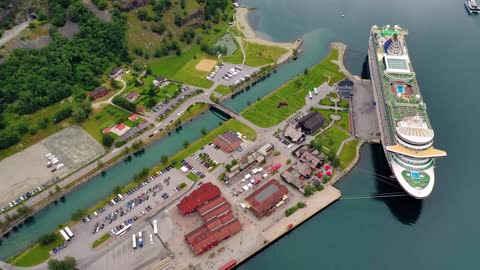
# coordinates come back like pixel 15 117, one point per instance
pixel 472 7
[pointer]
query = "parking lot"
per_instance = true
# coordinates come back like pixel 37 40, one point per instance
pixel 72 148
pixel 164 107
pixel 230 74
pixel 148 201
pixel 123 256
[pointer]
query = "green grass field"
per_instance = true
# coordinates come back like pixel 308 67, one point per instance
pixel 31 121
pixel 344 103
pixel 235 58
pixel 232 124
pixel 101 240
pixel 190 75
pixel 259 55
pixel 348 153
pixel 326 102
pixel 110 115
pixel 332 138
pixel 265 113
pixel 182 68
pixel 223 89
pixel 35 255
pixel 344 122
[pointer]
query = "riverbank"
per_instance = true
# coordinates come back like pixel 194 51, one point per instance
pixel 241 21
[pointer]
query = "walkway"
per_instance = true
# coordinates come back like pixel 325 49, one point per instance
pixel 12 33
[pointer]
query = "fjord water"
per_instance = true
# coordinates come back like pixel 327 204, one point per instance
pixel 441 232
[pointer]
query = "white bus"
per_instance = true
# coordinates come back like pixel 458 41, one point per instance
pixel 134 241
pixel 69 232
pixel 123 230
pixel 64 235
pixel 140 239
pixel 155 228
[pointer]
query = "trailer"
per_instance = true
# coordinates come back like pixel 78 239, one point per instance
pixel 155 228
pixel 64 235
pixel 69 232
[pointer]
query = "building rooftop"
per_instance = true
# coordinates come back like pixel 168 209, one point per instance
pixel 265 197
pixel 198 197
pixel 311 122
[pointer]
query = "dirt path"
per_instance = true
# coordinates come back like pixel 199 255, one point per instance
pixel 11 33
pixel 109 101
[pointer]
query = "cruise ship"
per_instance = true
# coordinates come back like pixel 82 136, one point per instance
pixel 406 133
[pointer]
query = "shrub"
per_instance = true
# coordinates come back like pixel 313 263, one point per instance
pixel 47 239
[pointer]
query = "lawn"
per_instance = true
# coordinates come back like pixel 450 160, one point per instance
pixel 326 102
pixel 344 103
pixel 348 153
pixel 35 255
pixel 332 138
pixel 260 55
pixel 230 125
pixel 31 121
pixel 235 58
pixel 192 176
pixel 108 116
pixel 182 68
pixel 190 75
pixel 344 122
pixel 224 90
pixel 265 113
pixel 101 240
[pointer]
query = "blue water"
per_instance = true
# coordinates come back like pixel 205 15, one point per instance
pixel 400 89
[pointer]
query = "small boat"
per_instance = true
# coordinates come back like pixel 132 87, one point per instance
pixel 472 7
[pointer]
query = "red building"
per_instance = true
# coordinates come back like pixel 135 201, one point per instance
pixel 220 223
pixel 212 233
pixel 227 141
pixel 198 197
pixel 263 200
pixel 99 92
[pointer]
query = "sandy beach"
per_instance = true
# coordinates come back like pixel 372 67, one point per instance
pixel 241 21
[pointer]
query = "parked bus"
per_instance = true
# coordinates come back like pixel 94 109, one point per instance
pixel 155 228
pixel 69 232
pixel 123 230
pixel 64 235
pixel 134 241
pixel 140 240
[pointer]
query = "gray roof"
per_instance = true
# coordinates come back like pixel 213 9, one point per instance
pixel 312 121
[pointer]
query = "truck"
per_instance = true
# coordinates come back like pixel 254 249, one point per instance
pixel 59 166
pixel 140 240
pixel 64 235
pixel 310 94
pixel 315 91
pixel 155 228
pixel 69 232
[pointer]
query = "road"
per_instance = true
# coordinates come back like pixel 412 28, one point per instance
pixel 11 33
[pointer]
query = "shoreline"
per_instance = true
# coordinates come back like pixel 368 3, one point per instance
pixel 241 21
